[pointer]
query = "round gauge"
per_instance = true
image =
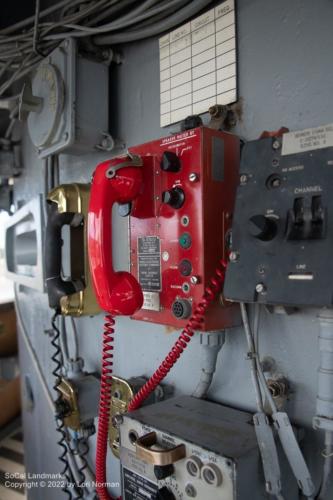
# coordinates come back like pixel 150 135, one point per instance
pixel 46 84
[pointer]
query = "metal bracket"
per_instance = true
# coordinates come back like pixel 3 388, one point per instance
pixel 122 392
pixel 268 452
pixel 293 453
pixel 134 161
pixel 322 423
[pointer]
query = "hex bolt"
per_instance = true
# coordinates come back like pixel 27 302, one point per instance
pixel 195 280
pixel 276 144
pixel 234 256
pixel 190 491
pixel 193 177
pixel 260 288
pixel 243 179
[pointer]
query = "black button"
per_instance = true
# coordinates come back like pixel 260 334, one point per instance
pixel 170 162
pixel 185 267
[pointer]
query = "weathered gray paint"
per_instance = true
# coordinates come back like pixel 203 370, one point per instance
pixel 285 78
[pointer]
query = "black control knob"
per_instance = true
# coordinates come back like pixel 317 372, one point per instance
pixel 165 494
pixel 263 228
pixel 190 122
pixel 170 162
pixel 175 197
pixel 163 471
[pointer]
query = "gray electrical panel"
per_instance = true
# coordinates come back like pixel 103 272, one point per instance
pixel 187 447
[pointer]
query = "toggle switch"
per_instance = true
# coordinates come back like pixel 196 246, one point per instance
pixel 305 221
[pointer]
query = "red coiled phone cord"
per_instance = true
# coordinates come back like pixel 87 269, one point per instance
pixel 211 291
pixel 104 409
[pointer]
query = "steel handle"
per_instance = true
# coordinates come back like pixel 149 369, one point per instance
pixel 157 457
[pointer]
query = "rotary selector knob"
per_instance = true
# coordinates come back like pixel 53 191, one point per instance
pixel 262 227
pixel 170 162
pixel 165 494
pixel 163 471
pixel 175 197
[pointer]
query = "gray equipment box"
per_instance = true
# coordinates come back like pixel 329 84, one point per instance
pixel 63 114
pixel 213 448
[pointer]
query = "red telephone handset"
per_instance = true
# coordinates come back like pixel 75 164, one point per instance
pixel 117 180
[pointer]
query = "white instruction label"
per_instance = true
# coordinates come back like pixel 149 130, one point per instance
pixel 151 301
pixel 198 64
pixel 307 140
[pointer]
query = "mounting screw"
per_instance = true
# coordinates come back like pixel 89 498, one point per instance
pixel 234 256
pixel 276 144
pixel 243 179
pixel 195 280
pixel 193 177
pixel 260 288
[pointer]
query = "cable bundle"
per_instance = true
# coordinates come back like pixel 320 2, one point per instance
pixel 57 360
pixel 23 45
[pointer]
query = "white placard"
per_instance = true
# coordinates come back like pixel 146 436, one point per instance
pixel 198 64
pixel 307 140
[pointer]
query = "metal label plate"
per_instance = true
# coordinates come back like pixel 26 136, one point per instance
pixel 151 301
pixel 137 487
pixel 149 263
pixel 307 140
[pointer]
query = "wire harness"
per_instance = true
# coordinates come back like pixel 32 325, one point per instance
pixel 57 360
pixel 24 44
